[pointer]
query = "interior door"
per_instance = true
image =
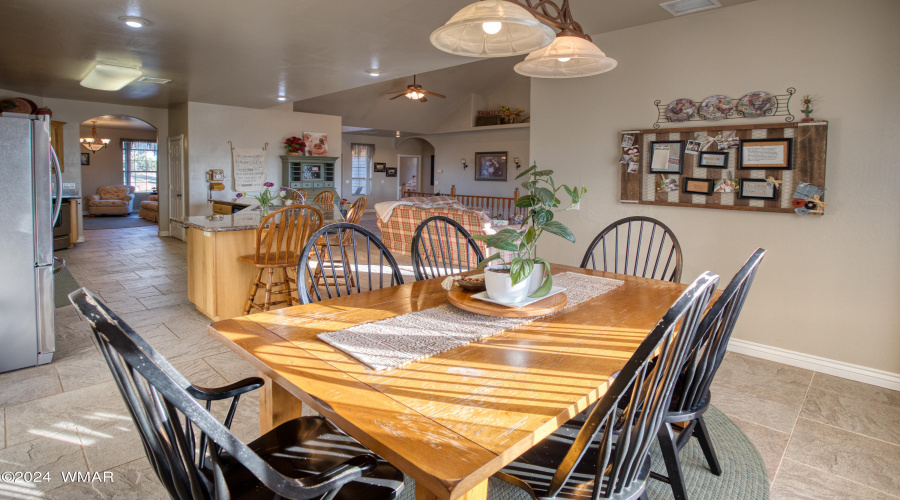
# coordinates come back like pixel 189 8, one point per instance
pixel 176 185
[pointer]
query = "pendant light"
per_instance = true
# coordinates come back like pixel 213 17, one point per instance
pixel 568 56
pixel 492 28
pixel 93 143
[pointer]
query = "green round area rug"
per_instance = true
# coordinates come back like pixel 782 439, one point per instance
pixel 743 476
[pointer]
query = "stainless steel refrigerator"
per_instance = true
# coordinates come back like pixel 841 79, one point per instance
pixel 27 213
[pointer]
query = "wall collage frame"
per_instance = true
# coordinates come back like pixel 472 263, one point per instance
pixel 738 167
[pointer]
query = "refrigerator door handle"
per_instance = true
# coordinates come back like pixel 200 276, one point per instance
pixel 54 161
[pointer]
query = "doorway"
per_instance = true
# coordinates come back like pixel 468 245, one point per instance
pixel 176 185
pixel 119 156
pixel 409 174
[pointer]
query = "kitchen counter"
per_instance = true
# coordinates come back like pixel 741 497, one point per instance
pixel 217 281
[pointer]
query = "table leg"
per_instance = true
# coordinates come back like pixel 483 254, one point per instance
pixel 479 492
pixel 276 405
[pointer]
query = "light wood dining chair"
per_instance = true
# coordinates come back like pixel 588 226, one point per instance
pixel 639 246
pixel 324 198
pixel 280 237
pixel 298 196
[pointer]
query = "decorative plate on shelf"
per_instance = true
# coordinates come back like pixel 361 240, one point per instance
pixel 716 107
pixel 681 110
pixel 756 104
pixel 17 105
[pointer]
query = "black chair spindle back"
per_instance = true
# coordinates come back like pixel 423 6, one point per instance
pixel 352 251
pixel 639 246
pixel 441 246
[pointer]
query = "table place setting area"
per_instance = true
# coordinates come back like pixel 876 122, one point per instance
pixel 397 341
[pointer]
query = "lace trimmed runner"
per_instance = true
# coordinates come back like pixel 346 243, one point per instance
pixel 396 341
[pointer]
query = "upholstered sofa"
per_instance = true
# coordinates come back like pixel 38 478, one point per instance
pixel 150 208
pixel 398 220
pixel 110 200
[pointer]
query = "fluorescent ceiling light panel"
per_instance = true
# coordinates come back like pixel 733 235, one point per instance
pixel 107 77
pixel 682 7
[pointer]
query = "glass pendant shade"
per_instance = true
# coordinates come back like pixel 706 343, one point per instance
pixel 566 57
pixel 93 143
pixel 492 28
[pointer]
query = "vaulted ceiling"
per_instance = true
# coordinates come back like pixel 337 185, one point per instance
pixel 240 53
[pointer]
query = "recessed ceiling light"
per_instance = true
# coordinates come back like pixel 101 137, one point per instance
pixel 682 7
pixel 398 133
pixel 374 72
pixel 134 22
pixel 107 77
pixel 282 98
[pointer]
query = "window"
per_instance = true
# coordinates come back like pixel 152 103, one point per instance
pixel 139 165
pixel 360 165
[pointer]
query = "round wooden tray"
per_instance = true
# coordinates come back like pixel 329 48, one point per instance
pixel 463 300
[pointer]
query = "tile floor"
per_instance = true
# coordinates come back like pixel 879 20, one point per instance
pixel 821 437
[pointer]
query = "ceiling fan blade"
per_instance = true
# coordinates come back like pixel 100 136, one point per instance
pixel 423 99
pixel 396 96
pixel 434 94
pixel 396 92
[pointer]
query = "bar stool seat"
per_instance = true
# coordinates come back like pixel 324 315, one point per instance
pixel 279 239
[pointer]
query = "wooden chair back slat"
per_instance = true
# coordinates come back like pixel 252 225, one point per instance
pixel 282 233
pixel 639 246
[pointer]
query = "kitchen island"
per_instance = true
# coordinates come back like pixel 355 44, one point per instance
pixel 218 282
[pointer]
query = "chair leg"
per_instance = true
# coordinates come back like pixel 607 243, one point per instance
pixel 667 437
pixel 254 287
pixel 269 289
pixel 706 445
pixel 287 285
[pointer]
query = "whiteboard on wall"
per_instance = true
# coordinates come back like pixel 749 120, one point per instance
pixel 248 168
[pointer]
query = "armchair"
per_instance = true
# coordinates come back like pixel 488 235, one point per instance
pixel 111 200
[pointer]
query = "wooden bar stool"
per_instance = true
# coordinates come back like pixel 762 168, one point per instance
pixel 279 239
pixel 324 198
pixel 339 256
pixel 298 196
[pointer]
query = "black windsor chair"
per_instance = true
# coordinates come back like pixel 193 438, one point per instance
pixel 441 246
pixel 353 252
pixel 303 458
pixel 605 453
pixel 631 245
pixel 691 397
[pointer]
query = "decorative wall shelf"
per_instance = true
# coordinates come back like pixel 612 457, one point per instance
pixel 782 109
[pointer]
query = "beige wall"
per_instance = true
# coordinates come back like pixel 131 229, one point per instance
pixel 75 112
pixel 830 286
pixel 450 148
pixel 386 151
pixel 106 165
pixel 211 126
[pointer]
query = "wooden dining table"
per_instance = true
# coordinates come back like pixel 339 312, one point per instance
pixel 454 419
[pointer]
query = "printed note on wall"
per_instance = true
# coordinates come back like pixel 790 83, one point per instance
pixel 248 169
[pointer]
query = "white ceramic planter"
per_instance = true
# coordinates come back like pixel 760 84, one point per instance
pixel 500 288
pixel 536 278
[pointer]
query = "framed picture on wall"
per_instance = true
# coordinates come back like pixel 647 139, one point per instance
pixel 379 167
pixel 758 189
pixel 85 158
pixel 390 172
pixel 490 166
pixel 766 154
pixel 714 159
pixel 666 157
pixel 697 186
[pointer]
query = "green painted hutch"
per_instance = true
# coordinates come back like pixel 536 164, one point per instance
pixel 312 173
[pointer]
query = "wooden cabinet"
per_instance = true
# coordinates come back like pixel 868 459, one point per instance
pixel 312 173
pixel 56 140
pixel 221 209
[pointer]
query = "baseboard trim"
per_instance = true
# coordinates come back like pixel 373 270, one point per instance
pixel 164 233
pixel 841 369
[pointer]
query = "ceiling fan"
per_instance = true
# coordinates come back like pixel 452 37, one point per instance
pixel 415 92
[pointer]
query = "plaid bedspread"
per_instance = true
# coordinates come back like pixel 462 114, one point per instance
pixel 397 233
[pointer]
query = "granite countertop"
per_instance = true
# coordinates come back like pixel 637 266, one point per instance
pixel 245 220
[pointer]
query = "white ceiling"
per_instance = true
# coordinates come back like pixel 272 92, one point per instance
pixel 119 122
pixel 242 53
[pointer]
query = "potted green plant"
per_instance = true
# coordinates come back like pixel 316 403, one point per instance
pixel 526 274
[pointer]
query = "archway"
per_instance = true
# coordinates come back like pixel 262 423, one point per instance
pixel 129 158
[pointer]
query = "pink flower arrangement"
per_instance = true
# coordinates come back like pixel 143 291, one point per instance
pixel 294 145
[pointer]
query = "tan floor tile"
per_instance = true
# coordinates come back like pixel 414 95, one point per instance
pixel 851 456
pixel 231 366
pixel 135 480
pixel 45 455
pixel 854 406
pixel 125 305
pixel 763 392
pixel 796 481
pixel 29 384
pixel 172 299
pixel 2 428
pixel 129 292
pixel 769 442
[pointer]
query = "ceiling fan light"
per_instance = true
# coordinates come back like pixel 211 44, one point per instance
pixel 566 57
pixel 108 77
pixel 468 32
